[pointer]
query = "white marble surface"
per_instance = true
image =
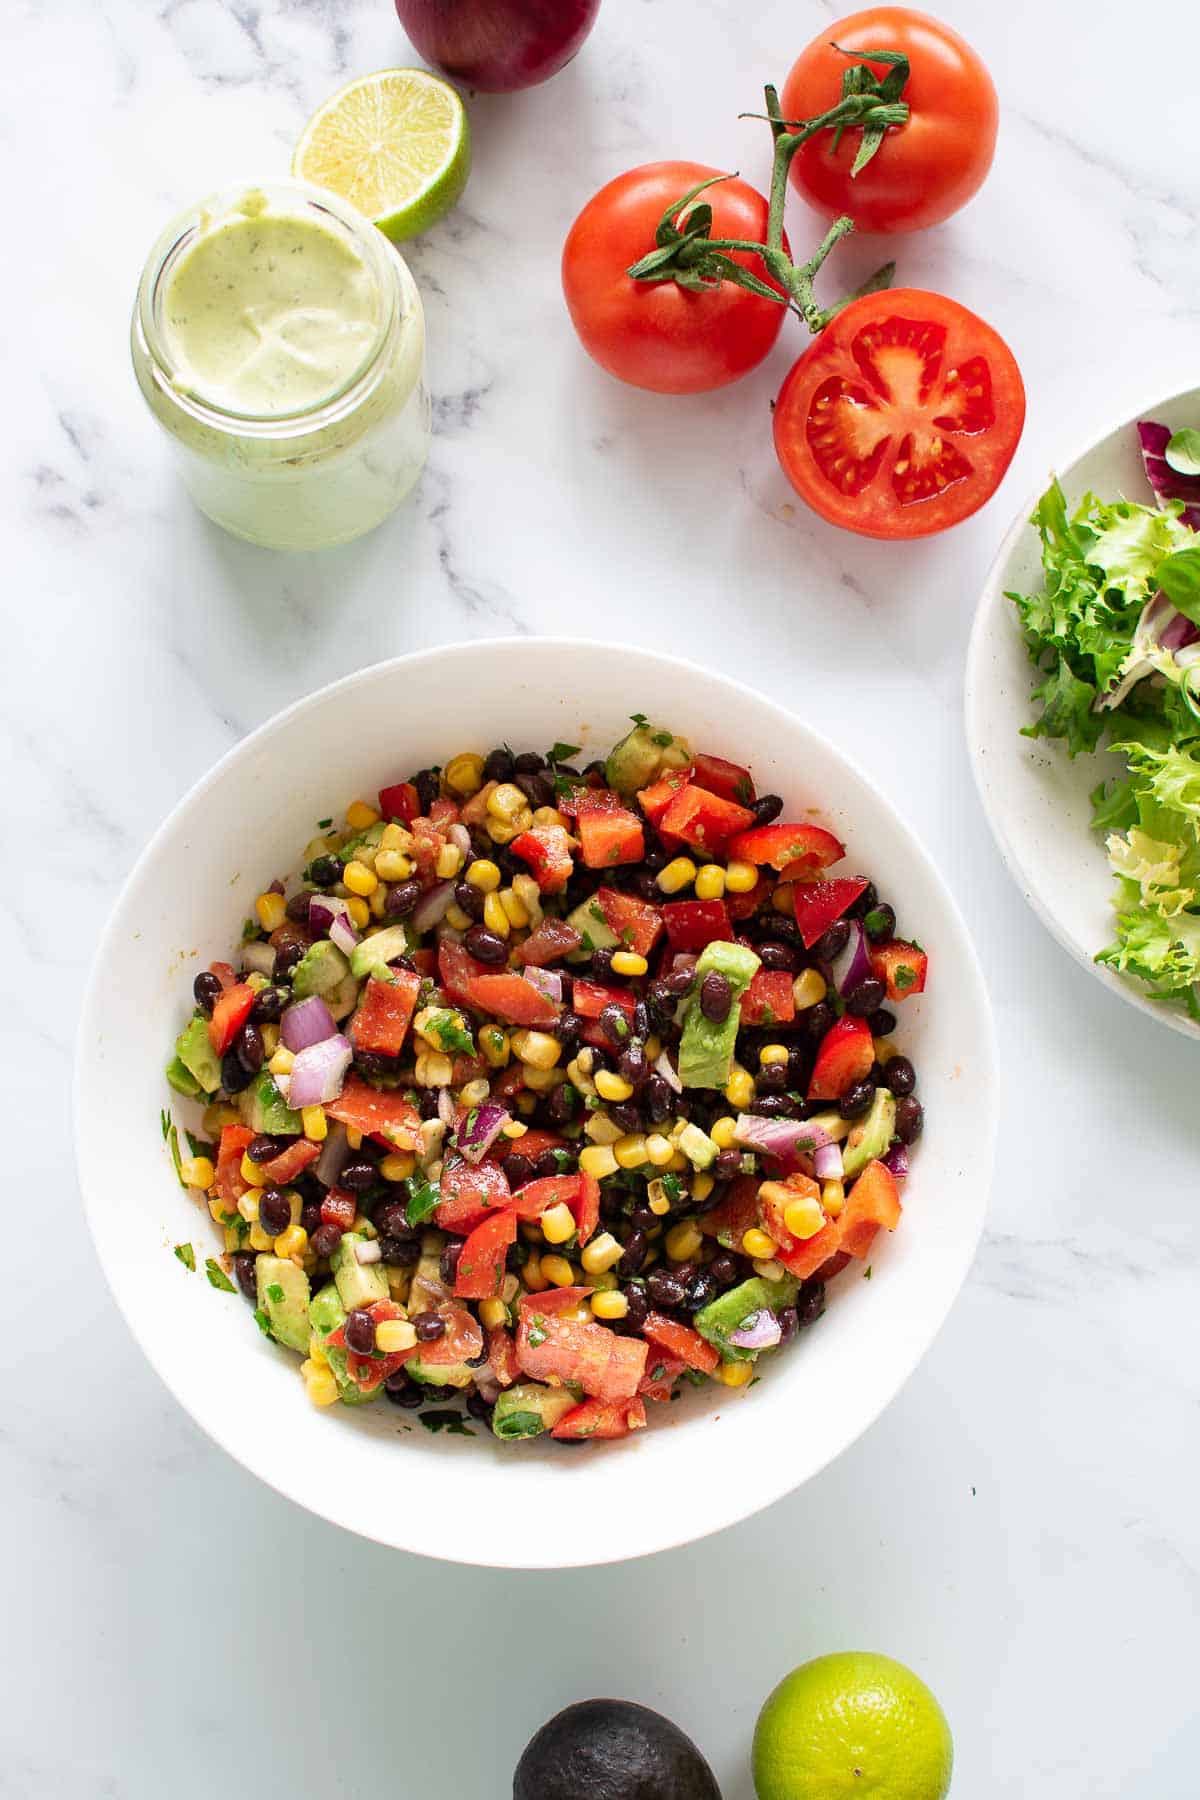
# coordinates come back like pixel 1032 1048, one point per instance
pixel 1022 1525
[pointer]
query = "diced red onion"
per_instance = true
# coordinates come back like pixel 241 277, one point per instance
pixel 259 958
pixel 335 1154
pixel 306 1022
pixel 445 1106
pixel 343 934
pixel 859 966
pixel 546 981
pixel 478 1131
pixel 781 1138
pixel 896 1161
pixel 827 1162
pixel 761 1331
pixel 460 837
pixel 318 1072
pixel 433 906
pixel 368 1251
pixel 1168 483
pixel 665 1068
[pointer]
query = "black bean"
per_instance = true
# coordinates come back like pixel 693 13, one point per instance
pixel 810 1303
pixel 448 1266
pixel 498 765
pixel 642 1218
pixel 429 1326
pixel 866 900
pixel 206 990
pixel 863 1000
pixel 485 946
pixel 233 1076
pixel 799 1065
pixel 857 1099
pixel 910 1119
pixel 325 1240
pixel 779 956
pixel 432 1391
pixel 515 1257
pixel 627 1114
pixel 636 1248
pixel 287 955
pixel 427 1103
pixel 274 1211
pixel 678 982
pixel 899 1075
pixel 772 1106
pixel 656 856
pixel 716 997
pixel 686 1272
pixel 478 1407
pixel 310 1216
pixel 470 898
pixel 766 809
pixel 789 1325
pixel 428 787
pixel 728 1165
pixel 882 1022
pixel 568 1029
pixel 633 1066
pixel 700 1290
pixel 401 1252
pixel 639 1307
pixel 641 1020
pixel 725 1269
pixel 528 763
pixel 358 1176
pixel 403 1393
pixel 602 964
pixel 402 899
pixel 262 1148
pixel 657 1099
pixel 665 1288
pixel 818 1019
pixel 772 1078
pixel 546 1165
pixel 249 1047
pixel 880 923
pixel 477 1362
pixel 615 1026
pixel 645 885
pixel 538 789
pixel 560 1108
pixel 359 1331
pixel 269 1003
pixel 243 1268
pixel 297 907
pixel 325 871
pixel 832 942
pixel 517 1169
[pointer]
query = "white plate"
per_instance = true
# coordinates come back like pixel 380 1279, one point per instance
pixel 706 1462
pixel 1035 796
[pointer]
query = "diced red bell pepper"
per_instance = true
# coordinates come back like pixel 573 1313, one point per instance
pixel 704 821
pixel 502 1355
pixel 586 1207
pixel 549 942
pixel 480 1268
pixel 807 1255
pixel 610 837
pixel 547 850
pixel 535 1197
pixel 548 1344
pixel 742 906
pixel 385 1012
pixel 589 998
pixel 873 1201
pixel 769 999
pixel 371 1371
pixel 727 779
pixel 731 1218
pixel 385 1116
pixel 810 846
pixel 655 800
pixel 232 1148
pixel 470 1193
pixel 681 1341
pixel 290 1162
pixel 691 924
pixel 512 998
pixel 229 1014
pixel 601 1419
pixel 583 798
pixel 634 923
pixel 662 1373
pixel 339 1208
pixel 457 969
pixel 399 802
pixel 532 1144
pixel 846 1054
pixel 902 966
pixel 461 1341
pixel 820 904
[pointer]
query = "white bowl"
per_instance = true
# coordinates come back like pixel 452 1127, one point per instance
pixel 1035 796
pixel 706 1462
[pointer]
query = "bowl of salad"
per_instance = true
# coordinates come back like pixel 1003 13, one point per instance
pixel 1083 708
pixel 581 1092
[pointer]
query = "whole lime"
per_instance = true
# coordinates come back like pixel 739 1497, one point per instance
pixel 852 1724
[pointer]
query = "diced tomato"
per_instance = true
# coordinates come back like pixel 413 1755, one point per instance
pixel 655 800
pixel 534 1198
pixel 424 962
pixel 549 942
pixel 548 1345
pixel 731 1218
pixel 586 1207
pixel 681 1341
pixel 556 1300
pixel 229 1014
pixel 224 973
pixel 427 845
pixel 809 846
pixel 633 922
pixel 610 837
pixel 691 924
pixel 339 1208
pixel 461 1341
pixel 771 1208
pixel 385 1116
pixel 819 904
pixel 547 850
pixel 741 906
pixel 727 779
pixel 457 969
pixel 589 998
pixel 809 1254
pixel 873 1201
pixel 534 1142
pixel 232 1148
pixel 512 998
pixel 399 802
pixel 288 1164
pixel 385 1012
pixel 846 1054
pixel 601 1419
pixel 662 1373
pixel 769 999
pixel 704 820
pixel 470 1193
pixel 502 1355
pixel 480 1268
pixel 371 1371
pixel 443 812
pixel 583 798
pixel 474 811
pixel 902 966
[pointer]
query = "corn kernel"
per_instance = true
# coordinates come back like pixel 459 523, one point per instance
pixel 734 1374
pixel 740 877
pixel 252 1172
pixel 630 1151
pixel 378 902
pixel 679 1164
pixel 392 865
pixel 602 1254
pixel 492 1314
pixel 702 1186
pixel 804 1216
pixel 270 1038
pixel 495 917
pixel 399 1282
pixel 316 1350
pixel 397 1166
pixel 542 1081
pixel 501 832
pixel 359 879
pixel 683 1241
pixel 537 1048
pixel 259 1239
pixel 653 1048
pixel 394 1334
pixel 628 962
pixel 216 1118
pixel 768 1268
pixel 808 989
pixel 611 1086
pixel 757 1243
pixel 320 1383
pixel 526 1103
pixel 739 1089
pixel 598 1161
pixel 514 1129
pixel 360 912
pixel 656 1198
pixel 505 801
pixel 558 1271
pixel 833 1197
pixel 316 1126
pixel 271 911
pixel 557 1223
pixel 610 1305
pixel 197 1172
pixel 772 1053
pixel 722 1131
pixel 678 874
pixel 464 773
pixel 360 816
pixel 395 837
pixel 484 875
pixel 710 882
pixel 602 1130
pixel 474 1093
pixel 281 1062
pixel 515 910
pixel 432 1069
pixel 550 815
pixel 526 890
pixel 494 1043
pixel 292 1243
pixel 885 1049
pixel 449 862
pixel 659 1150
pixel 354 1137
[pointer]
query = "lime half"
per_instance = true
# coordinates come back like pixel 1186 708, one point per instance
pixel 852 1727
pixel 395 144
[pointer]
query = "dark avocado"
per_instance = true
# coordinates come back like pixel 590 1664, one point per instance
pixel 612 1750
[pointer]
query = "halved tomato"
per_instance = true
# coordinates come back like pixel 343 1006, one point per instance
pixel 549 941
pixel 457 969
pixel 769 1000
pixel 662 1372
pixel 901 418
pixel 231 1184
pixel 548 1345
pixel 731 1218
pixel 462 1340
pixel 371 1371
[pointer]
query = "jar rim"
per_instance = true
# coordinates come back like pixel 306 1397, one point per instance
pixel 378 254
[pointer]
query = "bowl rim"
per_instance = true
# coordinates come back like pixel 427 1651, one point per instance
pixel 990 606
pixel 764 1493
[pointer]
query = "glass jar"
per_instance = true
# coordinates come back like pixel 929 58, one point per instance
pixel 279 340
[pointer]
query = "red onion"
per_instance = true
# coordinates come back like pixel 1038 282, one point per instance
pixel 259 958
pixel 433 906
pixel 335 1154
pixel 498 45
pixel 761 1331
pixel 546 981
pixel 665 1068
pixel 827 1163
pixel 445 1106
pixel 318 1072
pixel 330 914
pixel 368 1252
pixel 859 966
pixel 478 1131
pixel 460 837
pixel 784 1139
pixel 896 1161
pixel 306 1022
pixel 343 934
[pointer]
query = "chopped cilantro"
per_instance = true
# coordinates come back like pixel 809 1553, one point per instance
pixel 875 920
pixel 867 1273
pixel 663 739
pixel 424 1197
pixel 614 855
pixel 186 1255
pixel 217 1277
pixel 446 1421
pixel 324 824
pixel 672 1187
pixel 275 1293
pixel 695 1377
pixel 199 1147
pixel 250 930
pixel 560 753
pixel 587 942
pixel 596 911
pixel 904 976
pixel 743 791
pixel 448 1029
pixel 639 719
pixel 240 1228
pixel 768 1015
pixel 171 1139
pixel 627 935
pixel 263 1322
pixel 537 1333
pixel 519 1425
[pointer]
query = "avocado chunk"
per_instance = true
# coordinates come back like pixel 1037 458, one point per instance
pixel 358 1284
pixel 181 1079
pixel 325 1314
pixel 342 999
pixel 457 1375
pixel 373 955
pixel 872 1135
pixel 264 1108
pixel 283 1294
pixel 644 755
pixel 613 1748
pixel 706 1049
pixel 729 1312
pixel 529 1408
pixel 320 970
pixel 589 921
pixel 697 1146
pixel 194 1050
